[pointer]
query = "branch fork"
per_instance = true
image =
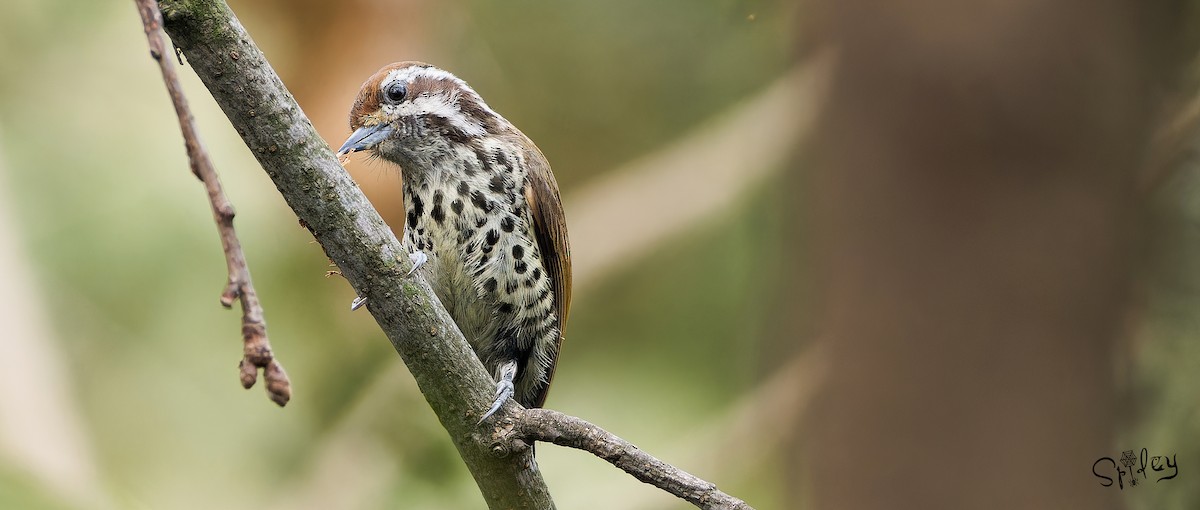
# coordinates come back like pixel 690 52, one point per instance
pixel 521 428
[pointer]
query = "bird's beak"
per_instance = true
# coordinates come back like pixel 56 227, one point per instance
pixel 365 138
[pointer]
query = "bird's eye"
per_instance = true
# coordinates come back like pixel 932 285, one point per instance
pixel 395 92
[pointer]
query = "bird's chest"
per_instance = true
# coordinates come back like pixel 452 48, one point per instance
pixel 483 262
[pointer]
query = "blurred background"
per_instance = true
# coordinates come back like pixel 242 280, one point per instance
pixel 828 255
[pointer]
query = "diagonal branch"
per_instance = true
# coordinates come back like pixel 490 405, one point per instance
pixel 354 237
pixel 368 255
pixel 256 347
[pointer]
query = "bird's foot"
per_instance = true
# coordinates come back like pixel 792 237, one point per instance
pixel 504 388
pixel 418 258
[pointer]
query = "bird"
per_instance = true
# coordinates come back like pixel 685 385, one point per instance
pixel 484 222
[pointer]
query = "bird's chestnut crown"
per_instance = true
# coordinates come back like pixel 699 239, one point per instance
pixel 412 101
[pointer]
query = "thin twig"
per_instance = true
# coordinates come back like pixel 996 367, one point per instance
pixel 564 430
pixel 256 347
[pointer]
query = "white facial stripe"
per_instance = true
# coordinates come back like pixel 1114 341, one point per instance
pixel 438 105
pixel 408 74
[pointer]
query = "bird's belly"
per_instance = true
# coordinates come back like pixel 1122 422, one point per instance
pixel 486 269
pixel 459 291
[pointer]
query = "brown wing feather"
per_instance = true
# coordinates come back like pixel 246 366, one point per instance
pixel 550 228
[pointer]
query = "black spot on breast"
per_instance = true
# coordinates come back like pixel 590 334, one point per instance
pixel 537 273
pixel 511 286
pixel 518 251
pixel 529 282
pixel 507 224
pixel 418 205
pixel 463 188
pixel 480 202
pixel 543 294
pixel 438 214
pixel 480 222
pixel 456 206
pixel 412 217
pixel 482 156
pixel 490 285
pixel 506 308
pixel 520 267
pixel 493 237
pixel 501 159
pixel 496 184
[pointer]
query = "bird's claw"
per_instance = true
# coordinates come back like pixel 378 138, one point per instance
pixel 418 259
pixel 504 390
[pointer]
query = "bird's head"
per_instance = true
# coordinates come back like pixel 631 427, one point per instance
pixel 410 111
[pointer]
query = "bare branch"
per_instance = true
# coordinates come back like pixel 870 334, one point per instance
pixel 368 255
pixel 331 206
pixel 256 347
pixel 554 427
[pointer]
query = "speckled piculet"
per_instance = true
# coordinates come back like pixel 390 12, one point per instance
pixel 484 221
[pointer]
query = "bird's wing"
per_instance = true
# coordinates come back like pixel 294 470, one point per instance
pixel 550 229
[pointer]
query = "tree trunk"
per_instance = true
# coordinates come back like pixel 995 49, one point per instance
pixel 975 211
